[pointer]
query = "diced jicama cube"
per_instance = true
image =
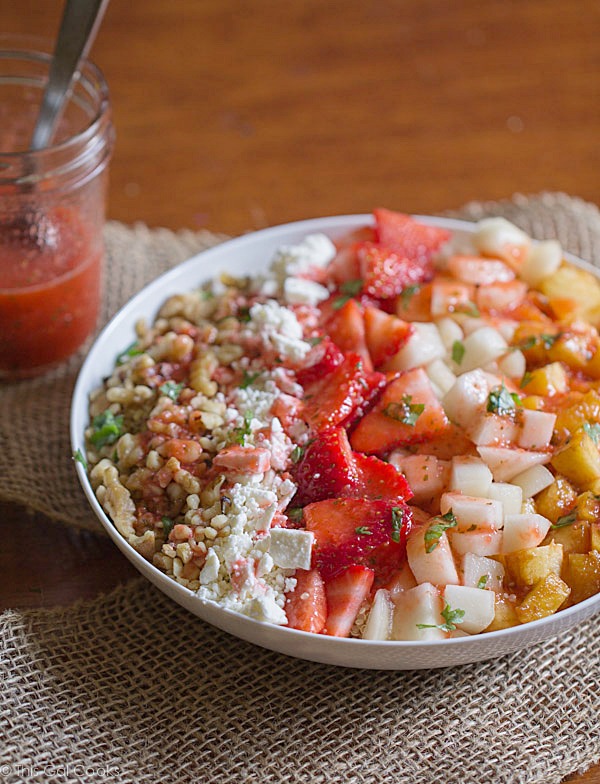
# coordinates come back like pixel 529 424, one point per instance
pixel 417 608
pixel 427 475
pixel 403 580
pixel 436 566
pixel 469 511
pixel 482 572
pixel 524 530
pixel 481 347
pixel 533 480
pixel 506 327
pixel 481 541
pixel 449 295
pixel 457 633
pixel 509 495
pixel 542 260
pixel 379 622
pixel 450 332
pixel 470 475
pixel 536 428
pixel 468 396
pixel 479 270
pixel 440 376
pixel 422 347
pixel 505 462
pixel 513 364
pixel 477 604
pixel 491 429
pixel 501 295
pixel 501 238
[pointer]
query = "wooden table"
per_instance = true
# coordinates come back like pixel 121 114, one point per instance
pixel 233 116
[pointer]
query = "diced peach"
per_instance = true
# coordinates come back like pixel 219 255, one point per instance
pixel 479 270
pixel 501 296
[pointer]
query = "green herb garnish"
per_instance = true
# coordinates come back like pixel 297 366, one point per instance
pixel 593 431
pixel 316 340
pixel 483 581
pixel 295 513
pixel 435 530
pixel 243 314
pixel 407 294
pixel 249 379
pixel 469 309
pixel 131 351
pixel 502 402
pixel 565 520
pixel 527 376
pixel 362 530
pixel 397 522
pixel 349 289
pixel 240 434
pixel 167 525
pixel 406 411
pixel 297 454
pixel 451 618
pixel 107 428
pixel 171 390
pixel 78 457
pixel 458 351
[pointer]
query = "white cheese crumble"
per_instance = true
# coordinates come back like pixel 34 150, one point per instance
pixel 291 548
pixel 315 250
pixel 278 329
pixel 299 291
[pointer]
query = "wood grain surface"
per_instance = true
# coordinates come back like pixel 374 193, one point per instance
pixel 233 116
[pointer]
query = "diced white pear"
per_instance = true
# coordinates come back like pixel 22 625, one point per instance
pixel 379 622
pixel 533 480
pixel 470 324
pixel 481 541
pixel 436 566
pixel 427 475
pixel 469 511
pixel 422 347
pixel 488 429
pixel 440 375
pixel 513 364
pixel 478 606
pixel 509 495
pixel 482 572
pixel 499 237
pixel 523 531
pixel 482 346
pixel 542 260
pixel 450 332
pixel 536 428
pixel 505 463
pixel 506 327
pixel 468 396
pixel 470 475
pixel 403 580
pixel 420 606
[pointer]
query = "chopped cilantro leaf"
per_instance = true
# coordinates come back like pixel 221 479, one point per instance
pixel 406 411
pixel 167 525
pixel 593 431
pixel 469 309
pixel 131 351
pixel 407 294
pixel 243 314
pixel 565 520
pixel 458 351
pixel 349 289
pixel 297 454
pixel 107 428
pixel 437 527
pixel 239 434
pixel 451 618
pixel 397 522
pixel 249 379
pixel 527 376
pixel 316 340
pixel 171 390
pixel 549 340
pixel 362 530
pixel 295 513
pixel 502 402
pixel 483 580
pixel 78 457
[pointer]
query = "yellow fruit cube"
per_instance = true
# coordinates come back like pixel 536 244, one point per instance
pixel 544 599
pixel 583 575
pixel 580 286
pixel 572 348
pixel 579 460
pixel 586 409
pixel 528 566
pixel 573 538
pixel 595 536
pixel 556 500
pixel 504 614
pixel 588 507
pixel 548 380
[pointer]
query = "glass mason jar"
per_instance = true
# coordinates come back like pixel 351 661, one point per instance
pixel 52 208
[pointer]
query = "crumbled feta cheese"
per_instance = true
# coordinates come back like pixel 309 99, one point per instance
pixel 279 329
pixel 264 608
pixel 299 291
pixel 315 250
pixel 291 548
pixel 210 570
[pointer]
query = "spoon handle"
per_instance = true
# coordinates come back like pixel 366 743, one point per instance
pixel 78 27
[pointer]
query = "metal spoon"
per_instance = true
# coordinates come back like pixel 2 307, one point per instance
pixel 79 25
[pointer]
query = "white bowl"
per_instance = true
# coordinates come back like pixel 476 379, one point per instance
pixel 249 254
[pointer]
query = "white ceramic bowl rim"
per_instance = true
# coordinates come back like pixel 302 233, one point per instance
pixel 199 269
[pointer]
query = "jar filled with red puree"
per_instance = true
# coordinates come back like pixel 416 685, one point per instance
pixel 52 207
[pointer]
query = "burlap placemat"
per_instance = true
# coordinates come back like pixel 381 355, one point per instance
pixel 131 688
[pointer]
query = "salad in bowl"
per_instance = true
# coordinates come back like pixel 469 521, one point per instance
pixel 387 432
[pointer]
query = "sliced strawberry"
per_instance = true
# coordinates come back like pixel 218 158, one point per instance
pixel 372 383
pixel 408 412
pixel 322 360
pixel 384 334
pixel 414 304
pixel 331 400
pixel 380 480
pixel 386 272
pixel 403 233
pixel 306 605
pixel 345 595
pixel 358 531
pixel 347 330
pixel 326 470
pixel 345 265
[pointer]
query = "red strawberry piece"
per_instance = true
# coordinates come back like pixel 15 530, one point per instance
pixel 372 384
pixel 385 334
pixel 386 272
pixel 403 233
pixel 322 360
pixel 347 330
pixel 334 398
pixel 306 605
pixel 379 480
pixel 345 596
pixel 326 470
pixel 352 531
pixel 408 412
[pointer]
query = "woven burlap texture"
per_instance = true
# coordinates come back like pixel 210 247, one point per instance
pixel 131 688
